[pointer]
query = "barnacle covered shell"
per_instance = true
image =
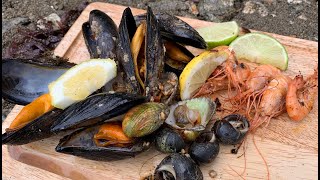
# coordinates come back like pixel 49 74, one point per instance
pixel 144 119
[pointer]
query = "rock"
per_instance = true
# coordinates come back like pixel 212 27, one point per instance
pixel 298 1
pixel 251 7
pixel 219 10
pixel 303 17
pixel 169 6
pixel 53 19
pixel 11 23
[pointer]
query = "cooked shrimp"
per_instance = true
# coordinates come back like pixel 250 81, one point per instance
pixel 301 96
pixel 272 101
pixel 255 85
pixel 230 74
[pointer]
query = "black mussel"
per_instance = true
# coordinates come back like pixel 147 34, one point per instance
pixel 96 109
pixel 176 30
pixel 154 55
pixel 25 80
pixel 99 143
pixel 231 129
pixel 177 167
pixel 100 34
pixel 174 66
pixel 35 130
pixel 177 52
pixel 168 141
pixel 205 148
pixel 127 29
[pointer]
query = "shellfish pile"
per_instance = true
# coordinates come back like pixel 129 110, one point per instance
pixel 137 109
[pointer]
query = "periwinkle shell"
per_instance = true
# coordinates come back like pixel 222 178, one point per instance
pixel 169 141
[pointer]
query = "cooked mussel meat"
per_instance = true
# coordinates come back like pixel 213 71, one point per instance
pixel 96 109
pixel 177 52
pixel 144 119
pixel 177 166
pixel 25 80
pixel 100 34
pixel 168 140
pixel 105 142
pixel 176 30
pixel 205 148
pixel 231 129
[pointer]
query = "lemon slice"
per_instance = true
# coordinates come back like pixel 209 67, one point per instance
pixel 80 81
pixel 261 48
pixel 219 33
pixel 197 71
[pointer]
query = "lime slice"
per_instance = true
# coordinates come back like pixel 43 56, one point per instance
pixel 260 48
pixel 197 71
pixel 80 81
pixel 219 33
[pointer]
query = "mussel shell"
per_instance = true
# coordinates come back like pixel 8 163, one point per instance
pixel 127 28
pixel 23 81
pixel 35 130
pixel 100 34
pixel 80 143
pixel 205 148
pixel 169 141
pixel 227 133
pixel 176 30
pixel 174 66
pixel 144 119
pixel 154 54
pixel 95 109
pixel 177 166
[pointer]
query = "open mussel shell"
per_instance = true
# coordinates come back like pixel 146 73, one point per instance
pixel 176 30
pixel 205 148
pixel 177 166
pixel 100 34
pixel 154 55
pixel 35 130
pixel 174 66
pixel 231 129
pixel 127 29
pixel 80 143
pixel 25 80
pixel 96 109
pixel 168 140
pixel 185 111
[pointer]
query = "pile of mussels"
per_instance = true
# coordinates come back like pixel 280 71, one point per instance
pixel 138 108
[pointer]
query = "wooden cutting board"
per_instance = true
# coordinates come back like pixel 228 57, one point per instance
pixel 289 148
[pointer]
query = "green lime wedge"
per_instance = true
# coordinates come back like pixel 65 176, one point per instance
pixel 219 33
pixel 260 48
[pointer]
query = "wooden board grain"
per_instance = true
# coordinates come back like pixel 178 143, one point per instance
pixel 290 148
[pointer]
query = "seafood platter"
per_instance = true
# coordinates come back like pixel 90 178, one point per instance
pixel 245 121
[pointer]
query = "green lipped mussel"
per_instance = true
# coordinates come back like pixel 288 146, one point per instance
pixel 144 119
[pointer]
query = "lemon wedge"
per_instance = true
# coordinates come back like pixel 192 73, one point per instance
pixel 197 71
pixel 80 81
